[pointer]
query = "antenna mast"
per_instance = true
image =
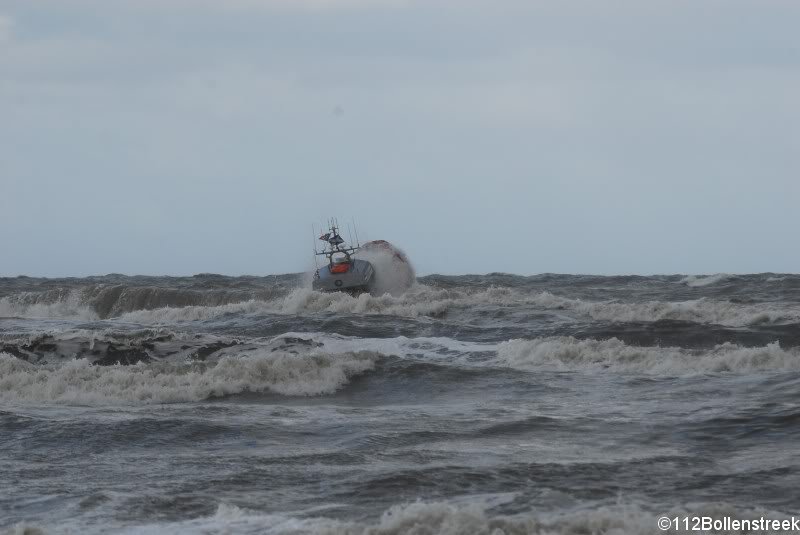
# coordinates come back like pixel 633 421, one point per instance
pixel 358 243
pixel 314 238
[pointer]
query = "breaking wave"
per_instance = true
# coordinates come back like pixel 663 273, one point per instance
pixel 571 354
pixel 697 311
pixel 80 382
pixel 416 518
pixel 419 301
pixel 566 353
pixel 425 301
pixel 94 301
pixel 67 305
pixel 203 298
pixel 468 516
pixel 696 281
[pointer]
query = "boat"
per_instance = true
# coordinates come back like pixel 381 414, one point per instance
pixel 342 272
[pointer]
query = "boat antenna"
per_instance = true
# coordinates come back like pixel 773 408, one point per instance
pixel 336 229
pixel 314 238
pixel 358 243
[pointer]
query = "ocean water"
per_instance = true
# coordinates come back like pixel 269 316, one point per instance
pixel 495 404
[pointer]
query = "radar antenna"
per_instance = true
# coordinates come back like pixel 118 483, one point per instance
pixel 335 242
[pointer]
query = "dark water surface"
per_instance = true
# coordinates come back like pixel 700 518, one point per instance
pixel 471 404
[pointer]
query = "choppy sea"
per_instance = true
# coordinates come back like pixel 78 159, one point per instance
pixel 492 404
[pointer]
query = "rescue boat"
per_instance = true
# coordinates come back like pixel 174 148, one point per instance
pixel 342 272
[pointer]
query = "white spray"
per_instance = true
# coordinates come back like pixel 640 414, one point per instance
pixel 394 273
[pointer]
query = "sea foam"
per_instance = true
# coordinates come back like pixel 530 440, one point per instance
pixel 468 516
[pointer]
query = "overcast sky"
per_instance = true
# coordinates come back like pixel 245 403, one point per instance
pixel 188 136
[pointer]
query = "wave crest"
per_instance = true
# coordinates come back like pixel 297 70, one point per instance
pixel 568 353
pixel 697 281
pixel 160 306
pixel 426 301
pixel 79 382
pixel 67 304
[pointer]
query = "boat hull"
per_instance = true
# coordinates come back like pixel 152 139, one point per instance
pixel 356 280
